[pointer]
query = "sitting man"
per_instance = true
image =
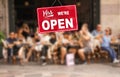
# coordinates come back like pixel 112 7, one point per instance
pixel 97 33
pixel 11 46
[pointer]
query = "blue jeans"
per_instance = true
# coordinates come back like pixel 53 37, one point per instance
pixel 110 51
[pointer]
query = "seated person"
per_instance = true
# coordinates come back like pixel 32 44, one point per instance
pixel 69 43
pixel 25 30
pixel 97 34
pixel 75 40
pixel 51 50
pixel 98 31
pixel 20 44
pixel 60 48
pixel 11 46
pixel 34 45
pixel 4 50
pixel 106 40
pixel 55 50
pixel 46 44
pixel 85 42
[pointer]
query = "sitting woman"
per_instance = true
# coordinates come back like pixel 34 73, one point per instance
pixel 34 47
pixel 106 40
pixel 85 42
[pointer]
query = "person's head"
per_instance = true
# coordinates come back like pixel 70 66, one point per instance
pixel 36 36
pixel 12 35
pixel 84 27
pixel 99 28
pixel 53 35
pixel 46 34
pixel 66 34
pixel 108 31
pixel 25 26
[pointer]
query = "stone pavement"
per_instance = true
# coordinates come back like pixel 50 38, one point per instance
pixel 36 70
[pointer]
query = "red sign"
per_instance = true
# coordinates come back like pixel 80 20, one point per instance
pixel 58 18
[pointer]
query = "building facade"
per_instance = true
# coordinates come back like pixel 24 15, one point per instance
pixel 4 18
pixel 107 15
pixel 110 14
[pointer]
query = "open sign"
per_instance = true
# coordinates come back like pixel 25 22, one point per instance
pixel 58 18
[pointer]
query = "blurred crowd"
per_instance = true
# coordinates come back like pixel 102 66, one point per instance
pixel 54 46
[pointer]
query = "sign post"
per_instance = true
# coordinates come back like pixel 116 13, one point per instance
pixel 58 18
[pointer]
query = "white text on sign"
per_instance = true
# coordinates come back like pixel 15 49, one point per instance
pixel 63 13
pixel 57 18
pixel 62 24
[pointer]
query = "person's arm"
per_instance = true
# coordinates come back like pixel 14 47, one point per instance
pixel 85 35
pixel 103 40
pixel 96 35
pixel 4 43
pixel 93 33
pixel 10 45
pixel 113 40
pixel 27 29
pixel 80 43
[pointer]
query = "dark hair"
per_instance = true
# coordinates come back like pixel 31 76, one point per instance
pixel 66 33
pixel 32 35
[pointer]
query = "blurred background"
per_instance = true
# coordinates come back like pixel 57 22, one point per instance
pixel 14 12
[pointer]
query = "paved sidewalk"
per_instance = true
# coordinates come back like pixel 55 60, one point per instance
pixel 36 70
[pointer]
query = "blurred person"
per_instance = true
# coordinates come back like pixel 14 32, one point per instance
pixel 75 35
pixel 70 43
pixel 24 31
pixel 34 44
pixel 60 48
pixel 4 50
pixel 106 40
pixel 53 41
pixel 22 46
pixel 55 49
pixel 46 44
pixel 10 45
pixel 85 42
pixel 17 44
pixel 98 31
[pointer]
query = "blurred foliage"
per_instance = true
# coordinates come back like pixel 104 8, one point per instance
pixel 2 36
